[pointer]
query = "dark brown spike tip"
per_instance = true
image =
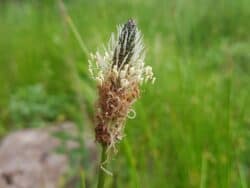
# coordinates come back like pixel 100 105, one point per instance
pixel 130 25
pixel 126 43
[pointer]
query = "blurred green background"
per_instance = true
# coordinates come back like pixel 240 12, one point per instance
pixel 192 127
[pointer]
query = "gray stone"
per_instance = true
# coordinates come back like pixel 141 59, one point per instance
pixel 28 159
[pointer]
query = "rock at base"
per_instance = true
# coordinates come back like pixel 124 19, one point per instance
pixel 28 160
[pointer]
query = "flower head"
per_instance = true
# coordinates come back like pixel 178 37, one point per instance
pixel 119 72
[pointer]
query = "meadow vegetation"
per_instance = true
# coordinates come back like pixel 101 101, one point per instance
pixel 192 127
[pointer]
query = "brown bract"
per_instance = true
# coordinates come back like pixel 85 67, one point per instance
pixel 113 106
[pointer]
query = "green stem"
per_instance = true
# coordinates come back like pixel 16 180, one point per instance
pixel 102 174
pixel 73 28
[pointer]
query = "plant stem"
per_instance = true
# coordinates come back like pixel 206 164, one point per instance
pixel 102 174
pixel 73 28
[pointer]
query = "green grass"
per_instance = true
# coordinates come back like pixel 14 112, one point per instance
pixel 192 127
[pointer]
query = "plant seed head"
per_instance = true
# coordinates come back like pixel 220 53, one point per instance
pixel 119 73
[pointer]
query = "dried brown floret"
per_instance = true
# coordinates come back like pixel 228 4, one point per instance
pixel 113 106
